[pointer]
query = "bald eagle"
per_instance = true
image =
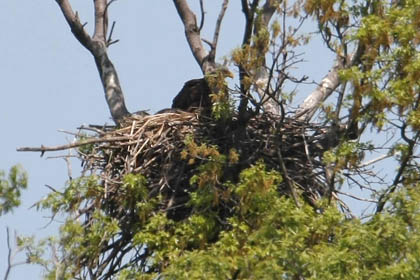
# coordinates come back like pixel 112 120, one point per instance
pixel 195 94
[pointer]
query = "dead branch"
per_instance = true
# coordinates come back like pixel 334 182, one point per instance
pixel 212 54
pixel 9 255
pixel 97 45
pixel 44 149
pixel 356 197
pixel 325 88
pixel 327 85
pixel 101 20
pixel 375 160
pixel 203 14
pixel 74 22
pixel 192 33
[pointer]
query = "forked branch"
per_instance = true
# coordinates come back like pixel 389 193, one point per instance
pixel 97 45
pixel 206 60
pixel 212 54
pixel 192 33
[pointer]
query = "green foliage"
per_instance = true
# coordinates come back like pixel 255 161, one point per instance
pixel 84 149
pixel 76 192
pixel 270 236
pixel 347 155
pixel 223 106
pixel 10 188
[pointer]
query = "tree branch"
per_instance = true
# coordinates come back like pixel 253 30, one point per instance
pixel 203 15
pixel 77 28
pixel 249 13
pixel 328 85
pixel 192 33
pixel 97 45
pixel 44 149
pixel 9 255
pixel 101 20
pixel 212 54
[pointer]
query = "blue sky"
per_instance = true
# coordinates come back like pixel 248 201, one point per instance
pixel 49 82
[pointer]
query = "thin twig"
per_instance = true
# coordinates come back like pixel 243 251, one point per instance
pixel 356 197
pixel 203 14
pixel 109 40
pixel 212 54
pixel 9 255
pixel 372 161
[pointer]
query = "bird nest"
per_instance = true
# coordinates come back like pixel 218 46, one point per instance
pixel 159 148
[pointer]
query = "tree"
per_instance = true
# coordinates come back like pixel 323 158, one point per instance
pixel 10 188
pixel 10 192
pixel 252 190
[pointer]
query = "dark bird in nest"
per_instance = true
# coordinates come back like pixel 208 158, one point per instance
pixel 194 95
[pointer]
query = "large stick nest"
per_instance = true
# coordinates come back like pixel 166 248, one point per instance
pixel 152 146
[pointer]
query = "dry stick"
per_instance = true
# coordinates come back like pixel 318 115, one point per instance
pixel 97 46
pixel 203 14
pixel 328 85
pixel 128 162
pixel 68 163
pixel 73 145
pixel 192 33
pixel 9 255
pixel 375 160
pixel 101 20
pixel 89 128
pixel 356 197
pixel 212 54
pixel 287 178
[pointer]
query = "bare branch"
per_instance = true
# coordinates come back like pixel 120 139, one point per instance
pixel 375 160
pixel 77 28
pixel 9 255
pixel 203 14
pixel 44 149
pixel 192 33
pixel 212 54
pixel 356 197
pixel 101 20
pixel 327 86
pixel 287 179
pixel 403 165
pixel 98 48
pixel 109 40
